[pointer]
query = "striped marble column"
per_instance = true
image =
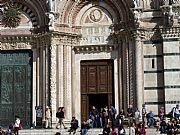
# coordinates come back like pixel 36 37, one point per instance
pixel 139 71
pixel 68 90
pixel 60 93
pixel 53 86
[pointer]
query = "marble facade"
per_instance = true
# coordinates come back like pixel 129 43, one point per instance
pixel 142 40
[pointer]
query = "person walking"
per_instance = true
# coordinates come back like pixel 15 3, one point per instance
pixel 60 116
pixel 16 125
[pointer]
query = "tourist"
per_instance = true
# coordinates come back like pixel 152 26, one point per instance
pixel 141 129
pixel 60 116
pixel 112 113
pixel 144 113
pixel 48 117
pixel 150 117
pixel 137 116
pixel 161 113
pixel 175 112
pixel 84 128
pixel 113 132
pixel 74 125
pixel 1 131
pixel 106 130
pixel 94 116
pixel 130 115
pixel 16 125
pixel 121 130
pixel 106 114
pixel 120 117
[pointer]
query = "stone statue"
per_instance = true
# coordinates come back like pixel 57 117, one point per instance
pixel 136 3
pixel 51 19
pixel 51 4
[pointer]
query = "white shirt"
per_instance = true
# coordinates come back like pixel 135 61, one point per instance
pixel 17 122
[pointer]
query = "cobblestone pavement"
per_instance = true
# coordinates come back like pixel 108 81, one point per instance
pixel 150 131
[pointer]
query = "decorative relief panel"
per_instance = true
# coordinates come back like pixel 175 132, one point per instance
pixel 95 27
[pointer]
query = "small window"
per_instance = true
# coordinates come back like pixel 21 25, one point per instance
pixel 152 63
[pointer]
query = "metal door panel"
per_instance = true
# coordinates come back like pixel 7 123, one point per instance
pixel 15 87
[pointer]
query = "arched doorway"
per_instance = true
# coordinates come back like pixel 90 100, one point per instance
pixel 96 85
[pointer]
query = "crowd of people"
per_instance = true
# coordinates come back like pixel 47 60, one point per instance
pixel 110 121
pixel 13 129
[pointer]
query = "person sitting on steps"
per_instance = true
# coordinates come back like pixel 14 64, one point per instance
pixel 74 125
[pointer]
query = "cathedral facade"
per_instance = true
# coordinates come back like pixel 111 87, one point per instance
pixel 79 53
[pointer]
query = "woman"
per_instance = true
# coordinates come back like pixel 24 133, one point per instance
pixel 141 129
pixel 106 130
pixel 16 125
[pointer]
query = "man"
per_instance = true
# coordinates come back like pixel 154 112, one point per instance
pixel 175 112
pixel 48 117
pixel 74 125
pixel 144 112
pixel 130 115
pixel 60 116
pixel 94 116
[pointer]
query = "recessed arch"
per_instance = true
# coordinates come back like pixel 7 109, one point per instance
pixel 119 9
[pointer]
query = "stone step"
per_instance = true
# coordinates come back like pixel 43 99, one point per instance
pixel 95 131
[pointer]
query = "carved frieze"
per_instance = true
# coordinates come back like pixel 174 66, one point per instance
pixel 95 48
pixel 16 42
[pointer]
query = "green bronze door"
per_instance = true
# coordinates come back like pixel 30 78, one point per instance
pixel 15 87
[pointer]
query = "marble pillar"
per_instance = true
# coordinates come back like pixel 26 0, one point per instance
pixel 60 93
pixel 69 89
pixel 53 83
pixel 139 72
pixel 34 93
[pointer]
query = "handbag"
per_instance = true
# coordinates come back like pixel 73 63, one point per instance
pixel 20 126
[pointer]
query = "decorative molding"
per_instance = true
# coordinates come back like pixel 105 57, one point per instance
pixel 16 42
pixel 173 32
pixel 95 48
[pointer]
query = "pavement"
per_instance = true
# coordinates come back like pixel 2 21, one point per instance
pixel 95 131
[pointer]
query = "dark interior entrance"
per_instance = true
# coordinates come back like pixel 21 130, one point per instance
pixel 97 84
pixel 98 100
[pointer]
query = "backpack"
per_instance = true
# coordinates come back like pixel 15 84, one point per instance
pixel 114 111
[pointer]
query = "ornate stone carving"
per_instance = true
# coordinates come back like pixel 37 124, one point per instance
pixel 173 32
pixel 96 15
pixel 16 42
pixel 171 14
pixel 95 48
pixel 53 81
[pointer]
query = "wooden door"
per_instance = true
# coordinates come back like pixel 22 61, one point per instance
pixel 96 78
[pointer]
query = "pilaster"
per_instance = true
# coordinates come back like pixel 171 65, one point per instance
pixel 171 55
pixel 139 70
pixel 53 87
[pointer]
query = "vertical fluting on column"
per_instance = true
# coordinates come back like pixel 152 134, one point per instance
pixel 124 73
pixel 64 78
pixel 139 71
pixel 131 81
pixel 53 82
pixel 69 93
pixel 60 76
pixel 120 75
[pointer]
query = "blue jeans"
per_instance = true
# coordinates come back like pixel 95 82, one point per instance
pixel 83 131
